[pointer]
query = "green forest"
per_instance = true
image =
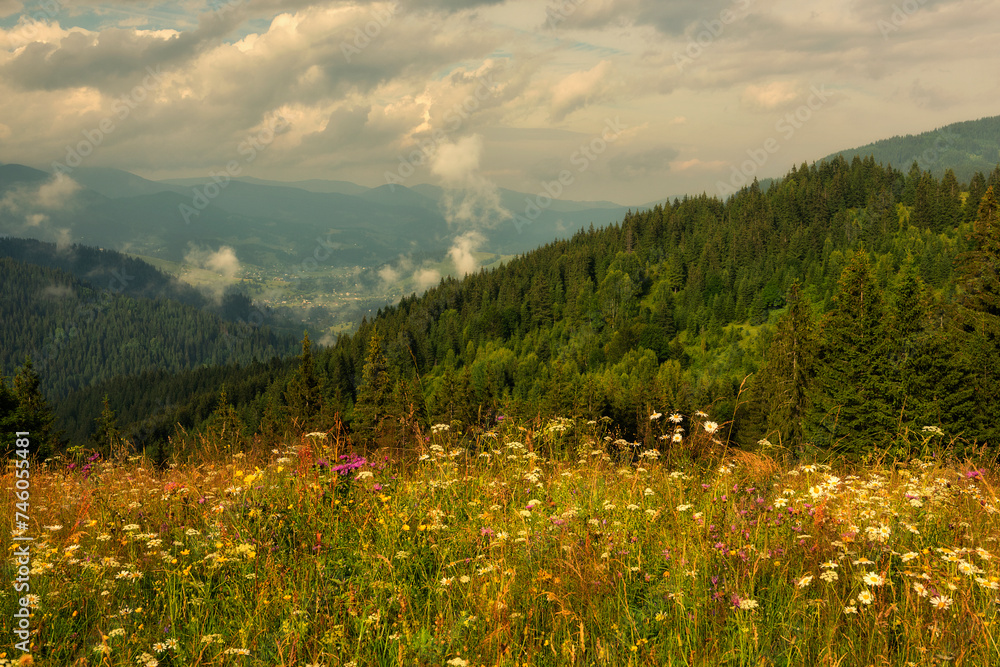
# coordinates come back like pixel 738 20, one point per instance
pixel 847 309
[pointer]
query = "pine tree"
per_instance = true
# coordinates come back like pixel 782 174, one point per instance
pixel 374 400
pixel 33 413
pixel 107 438
pixel 852 410
pixel 225 428
pixel 782 385
pixel 8 417
pixel 304 396
pixel 978 316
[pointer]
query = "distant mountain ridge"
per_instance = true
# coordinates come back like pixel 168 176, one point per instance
pixel 965 148
pixel 278 222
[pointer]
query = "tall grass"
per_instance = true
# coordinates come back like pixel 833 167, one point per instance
pixel 532 545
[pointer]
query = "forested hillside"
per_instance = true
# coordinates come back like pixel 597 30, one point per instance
pixel 659 312
pixel 77 334
pixel 103 269
pixel 845 305
pixel 964 148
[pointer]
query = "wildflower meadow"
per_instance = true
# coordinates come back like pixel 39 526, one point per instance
pixel 535 544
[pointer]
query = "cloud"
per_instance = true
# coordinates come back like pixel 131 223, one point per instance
pixel 426 278
pixel 769 96
pixel 8 7
pixel 388 274
pixel 649 162
pixel 695 163
pixel 27 201
pixel 222 261
pixel 580 89
pixel 457 163
pixel 64 239
pixel 55 193
pixel 58 292
pixel 673 17
pixel 461 252
pixel 443 70
pixel 469 197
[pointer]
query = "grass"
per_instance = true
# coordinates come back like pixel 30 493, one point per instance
pixel 535 544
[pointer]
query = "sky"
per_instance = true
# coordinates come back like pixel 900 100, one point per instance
pixel 629 101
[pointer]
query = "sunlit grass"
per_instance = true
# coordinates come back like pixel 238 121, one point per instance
pixel 524 546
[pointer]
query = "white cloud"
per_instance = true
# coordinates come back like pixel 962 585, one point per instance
pixel 462 249
pixel 580 89
pixel 55 193
pixel 426 278
pixel 469 197
pixel 769 96
pixel 388 274
pixel 222 261
pixel 442 72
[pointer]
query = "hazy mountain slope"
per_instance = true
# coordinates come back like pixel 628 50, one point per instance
pixel 965 147
pixel 103 269
pixel 77 335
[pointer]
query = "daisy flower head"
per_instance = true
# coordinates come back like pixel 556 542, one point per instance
pixel 941 602
pixel 866 597
pixel 873 579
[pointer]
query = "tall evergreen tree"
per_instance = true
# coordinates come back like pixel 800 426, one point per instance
pixel 33 413
pixel 225 428
pixel 978 317
pixel 852 411
pixel 8 417
pixel 107 438
pixel 782 385
pixel 375 394
pixel 304 396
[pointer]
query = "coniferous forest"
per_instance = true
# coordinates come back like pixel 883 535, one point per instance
pixel 847 309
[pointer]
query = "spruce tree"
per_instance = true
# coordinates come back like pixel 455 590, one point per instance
pixel 303 396
pixel 374 399
pixel 8 417
pixel 978 315
pixel 225 428
pixel 782 385
pixel 852 410
pixel 107 438
pixel 33 413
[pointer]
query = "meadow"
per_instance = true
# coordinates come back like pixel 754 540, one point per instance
pixel 530 545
